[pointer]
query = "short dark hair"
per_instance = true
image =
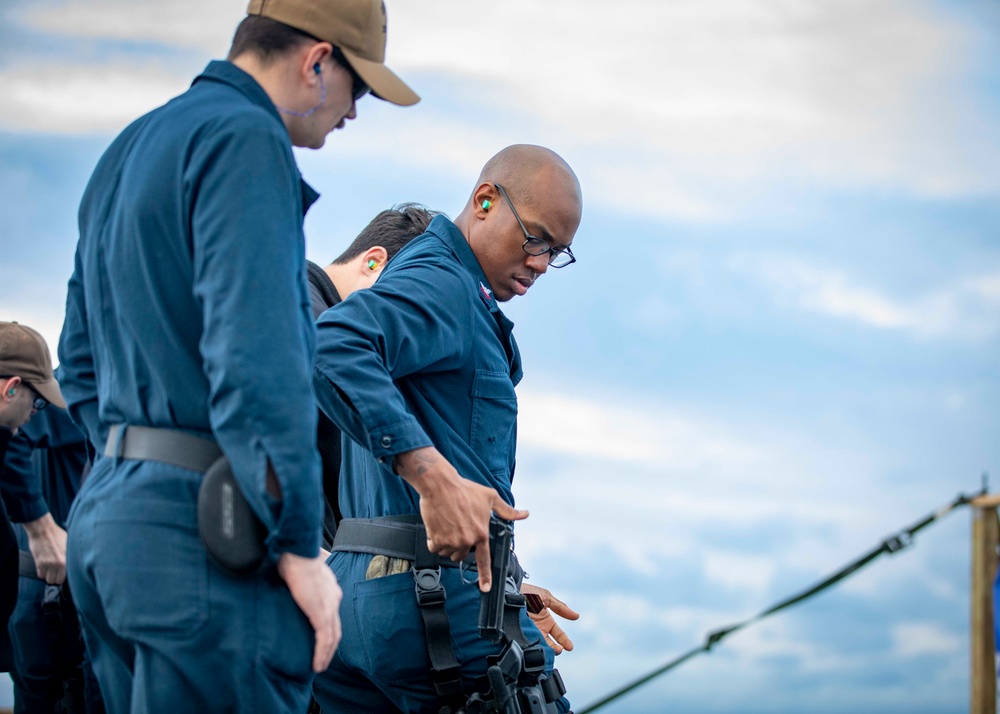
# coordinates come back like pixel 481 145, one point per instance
pixel 266 38
pixel 392 229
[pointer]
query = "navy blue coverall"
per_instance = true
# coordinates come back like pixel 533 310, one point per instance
pixel 45 464
pixel 425 357
pixel 188 310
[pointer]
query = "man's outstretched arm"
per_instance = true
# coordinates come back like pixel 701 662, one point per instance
pixel 455 511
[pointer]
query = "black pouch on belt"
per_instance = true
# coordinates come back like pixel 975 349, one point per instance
pixel 232 533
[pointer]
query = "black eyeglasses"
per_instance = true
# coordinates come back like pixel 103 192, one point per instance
pixel 558 257
pixel 359 87
pixel 39 402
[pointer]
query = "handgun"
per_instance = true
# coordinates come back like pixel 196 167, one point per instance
pixel 491 603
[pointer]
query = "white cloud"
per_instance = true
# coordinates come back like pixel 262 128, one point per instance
pixel 986 287
pixel 683 109
pixel 83 99
pixel 772 638
pixel 966 309
pixel 740 571
pixel 660 478
pixel 609 431
pixel 913 639
pixel 205 26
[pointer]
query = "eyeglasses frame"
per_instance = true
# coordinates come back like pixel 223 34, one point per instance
pixel 554 253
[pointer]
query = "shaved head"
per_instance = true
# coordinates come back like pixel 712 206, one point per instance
pixel 514 232
pixel 519 167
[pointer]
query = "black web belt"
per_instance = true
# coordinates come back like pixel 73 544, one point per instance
pixel 168 446
pixel 405 537
pixel 392 536
pixel 26 565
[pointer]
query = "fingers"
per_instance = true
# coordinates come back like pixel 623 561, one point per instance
pixel 326 623
pixel 51 573
pixel 314 588
pixel 483 565
pixel 52 576
pixel 507 512
pixel 562 609
pixel 447 551
pixel 326 645
pixel 561 639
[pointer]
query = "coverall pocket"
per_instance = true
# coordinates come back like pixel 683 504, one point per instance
pixel 285 637
pixel 494 414
pixel 151 571
pixel 390 627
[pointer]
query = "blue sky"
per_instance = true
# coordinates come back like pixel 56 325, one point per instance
pixel 778 346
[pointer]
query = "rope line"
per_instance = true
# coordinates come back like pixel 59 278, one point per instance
pixel 893 544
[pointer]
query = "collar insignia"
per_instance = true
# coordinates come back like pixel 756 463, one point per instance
pixel 486 294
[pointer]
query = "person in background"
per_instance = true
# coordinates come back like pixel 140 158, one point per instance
pixel 27 385
pixel 46 463
pixel 356 268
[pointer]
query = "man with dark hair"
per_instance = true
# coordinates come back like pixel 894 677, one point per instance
pixel 356 268
pixel 187 345
pixel 419 371
pixel 27 385
pixel 45 465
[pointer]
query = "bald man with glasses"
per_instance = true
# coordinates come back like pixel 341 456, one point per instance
pixel 419 372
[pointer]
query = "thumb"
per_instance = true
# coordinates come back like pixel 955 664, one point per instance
pixel 507 512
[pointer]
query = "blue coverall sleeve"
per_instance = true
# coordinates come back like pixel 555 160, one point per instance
pixel 20 482
pixel 257 341
pixel 415 319
pixel 76 362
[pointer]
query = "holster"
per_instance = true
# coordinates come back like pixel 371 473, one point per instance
pixel 232 533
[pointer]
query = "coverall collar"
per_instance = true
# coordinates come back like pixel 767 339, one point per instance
pixel 228 73
pixel 453 238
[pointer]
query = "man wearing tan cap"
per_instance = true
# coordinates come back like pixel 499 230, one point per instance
pixel 26 377
pixel 188 336
pixel 26 386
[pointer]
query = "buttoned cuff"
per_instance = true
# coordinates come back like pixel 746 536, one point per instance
pixel 398 438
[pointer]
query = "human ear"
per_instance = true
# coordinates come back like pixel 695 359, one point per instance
pixel 484 199
pixel 314 58
pixel 10 386
pixel 374 259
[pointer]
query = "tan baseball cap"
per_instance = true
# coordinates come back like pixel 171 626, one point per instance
pixel 357 27
pixel 24 354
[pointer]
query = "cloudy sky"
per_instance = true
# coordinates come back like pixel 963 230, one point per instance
pixel 779 344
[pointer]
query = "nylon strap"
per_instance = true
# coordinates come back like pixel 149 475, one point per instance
pixel 445 670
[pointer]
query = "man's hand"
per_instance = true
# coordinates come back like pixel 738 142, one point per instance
pixel 455 511
pixel 47 543
pixel 544 620
pixel 315 590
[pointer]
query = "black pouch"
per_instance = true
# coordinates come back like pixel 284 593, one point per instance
pixel 232 533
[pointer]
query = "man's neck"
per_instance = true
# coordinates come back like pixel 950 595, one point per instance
pixel 340 276
pixel 275 78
